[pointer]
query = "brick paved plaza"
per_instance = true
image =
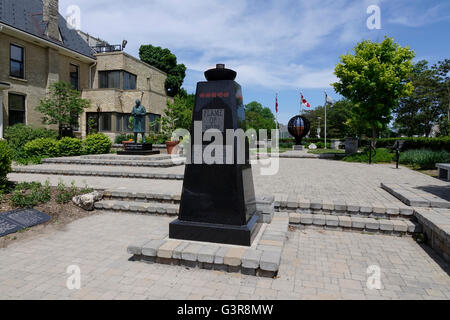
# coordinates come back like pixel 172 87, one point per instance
pixel 315 264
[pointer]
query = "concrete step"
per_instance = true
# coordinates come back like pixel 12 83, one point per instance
pixel 141 196
pixel 98 173
pixel 138 207
pixel 108 162
pixel 119 157
pixel 347 223
pixel 292 203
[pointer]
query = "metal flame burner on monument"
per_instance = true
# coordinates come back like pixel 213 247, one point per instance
pixel 299 127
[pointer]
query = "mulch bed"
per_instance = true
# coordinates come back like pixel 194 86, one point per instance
pixel 61 215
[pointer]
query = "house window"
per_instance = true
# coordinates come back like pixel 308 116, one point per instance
pixel 16 109
pixel 154 122
pixel 116 80
pixel 17 62
pixel 105 122
pixel 109 79
pixel 74 76
pixel 129 81
pixel 119 121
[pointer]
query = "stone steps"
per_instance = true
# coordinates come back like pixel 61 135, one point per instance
pixel 149 208
pixel 353 223
pixel 141 196
pixel 99 173
pixel 291 203
pixel 107 162
pixel 121 157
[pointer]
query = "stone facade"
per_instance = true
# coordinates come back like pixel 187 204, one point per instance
pixel 118 102
pixel 44 64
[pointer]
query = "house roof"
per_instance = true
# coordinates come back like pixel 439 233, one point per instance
pixel 26 15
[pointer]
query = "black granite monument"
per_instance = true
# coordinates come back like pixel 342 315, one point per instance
pixel 218 200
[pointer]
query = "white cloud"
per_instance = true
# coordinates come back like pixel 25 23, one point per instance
pixel 271 44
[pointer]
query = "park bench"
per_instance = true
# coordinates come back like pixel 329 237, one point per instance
pixel 397 147
pixel 443 170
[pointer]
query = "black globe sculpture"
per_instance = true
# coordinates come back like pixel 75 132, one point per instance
pixel 299 127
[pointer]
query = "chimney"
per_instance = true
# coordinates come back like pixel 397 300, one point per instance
pixel 51 16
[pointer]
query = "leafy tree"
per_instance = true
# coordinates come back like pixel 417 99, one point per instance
pixel 258 117
pixel 374 78
pixel 417 113
pixel 178 114
pixel 166 61
pixel 63 105
pixel 442 69
pixel 337 117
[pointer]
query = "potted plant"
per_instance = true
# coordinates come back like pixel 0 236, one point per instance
pixel 172 145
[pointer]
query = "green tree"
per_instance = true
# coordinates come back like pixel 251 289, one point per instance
pixel 258 117
pixel 442 69
pixel 63 105
pixel 337 116
pixel 166 61
pixel 417 113
pixel 178 114
pixel 374 78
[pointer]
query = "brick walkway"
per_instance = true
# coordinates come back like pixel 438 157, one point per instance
pixel 315 264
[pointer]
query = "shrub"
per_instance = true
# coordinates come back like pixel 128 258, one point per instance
pixel 65 194
pixel 381 156
pixel 42 147
pixel 68 147
pixel 28 195
pixel 98 143
pixel 123 137
pixel 437 144
pixel 423 158
pixel 5 163
pixel 19 135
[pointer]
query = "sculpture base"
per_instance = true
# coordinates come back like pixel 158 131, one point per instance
pixel 138 149
pixel 216 233
pixel 138 152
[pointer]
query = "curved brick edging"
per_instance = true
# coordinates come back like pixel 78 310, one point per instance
pixel 138 175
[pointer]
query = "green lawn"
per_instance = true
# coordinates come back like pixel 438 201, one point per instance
pixel 327 151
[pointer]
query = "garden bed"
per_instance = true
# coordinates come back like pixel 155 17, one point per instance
pixel 60 216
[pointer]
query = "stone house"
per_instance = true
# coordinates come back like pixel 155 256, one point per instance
pixel 38 48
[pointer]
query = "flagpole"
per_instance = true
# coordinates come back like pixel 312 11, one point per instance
pixel 326 120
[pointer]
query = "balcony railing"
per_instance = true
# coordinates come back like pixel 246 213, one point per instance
pixel 109 48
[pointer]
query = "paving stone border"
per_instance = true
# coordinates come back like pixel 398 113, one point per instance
pixel 295 155
pixel 358 224
pixel 415 197
pixel 139 175
pixel 122 157
pixel 293 203
pixel 436 225
pixel 108 162
pixel 151 203
pixel 262 259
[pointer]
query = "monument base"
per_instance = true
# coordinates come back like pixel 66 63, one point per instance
pixel 216 233
pixel 298 147
pixel 138 149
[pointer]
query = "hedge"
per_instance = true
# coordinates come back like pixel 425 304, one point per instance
pixel 42 147
pixel 437 144
pixel 98 143
pixel 19 135
pixel 69 147
pixel 5 163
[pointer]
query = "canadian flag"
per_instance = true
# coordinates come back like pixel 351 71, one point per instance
pixel 304 101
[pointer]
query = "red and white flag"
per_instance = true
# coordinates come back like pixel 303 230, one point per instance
pixel 276 104
pixel 304 101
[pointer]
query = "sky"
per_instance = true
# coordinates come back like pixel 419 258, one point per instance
pixel 276 46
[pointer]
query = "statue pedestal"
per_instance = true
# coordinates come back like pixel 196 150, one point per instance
pixel 138 149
